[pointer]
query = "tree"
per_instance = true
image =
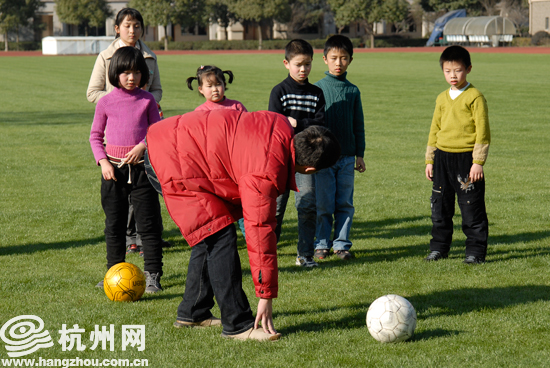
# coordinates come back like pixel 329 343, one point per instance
pixel 158 13
pixel 15 14
pixel 368 11
pixel 83 12
pixel 258 11
pixel 474 7
pixel 218 11
pixel 348 11
pixel 308 13
pixel 191 13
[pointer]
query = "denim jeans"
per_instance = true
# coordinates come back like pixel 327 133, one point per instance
pixel 450 176
pixel 215 271
pixel 307 214
pixel 334 192
pixel 114 199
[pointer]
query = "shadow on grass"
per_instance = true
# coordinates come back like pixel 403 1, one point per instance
pixel 47 118
pixel 40 247
pixel 443 303
pixel 412 226
pixel 466 300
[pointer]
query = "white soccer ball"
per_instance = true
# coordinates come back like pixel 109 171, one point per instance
pixel 391 318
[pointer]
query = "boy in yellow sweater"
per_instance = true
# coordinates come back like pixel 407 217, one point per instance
pixel 458 145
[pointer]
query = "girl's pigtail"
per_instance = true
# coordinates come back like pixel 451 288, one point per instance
pixel 190 81
pixel 230 74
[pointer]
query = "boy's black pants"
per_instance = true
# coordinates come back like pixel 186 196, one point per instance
pixel 450 176
pixel 215 271
pixel 114 199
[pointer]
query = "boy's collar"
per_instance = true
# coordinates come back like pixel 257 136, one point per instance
pixel 340 77
pixel 306 81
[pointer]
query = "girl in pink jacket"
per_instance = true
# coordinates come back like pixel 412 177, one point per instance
pixel 212 86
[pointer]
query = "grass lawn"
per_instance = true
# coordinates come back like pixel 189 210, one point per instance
pixel 52 249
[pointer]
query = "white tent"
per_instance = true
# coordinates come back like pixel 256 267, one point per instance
pixel 479 30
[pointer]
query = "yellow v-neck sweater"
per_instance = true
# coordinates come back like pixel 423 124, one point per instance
pixel 460 125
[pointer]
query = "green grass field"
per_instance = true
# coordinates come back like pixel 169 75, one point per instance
pixel 52 250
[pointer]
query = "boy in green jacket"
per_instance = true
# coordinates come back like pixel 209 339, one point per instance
pixel 458 145
pixel 344 118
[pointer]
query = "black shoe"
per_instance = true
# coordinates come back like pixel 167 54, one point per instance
pixel 435 256
pixel 152 282
pixel 474 260
pixel 165 244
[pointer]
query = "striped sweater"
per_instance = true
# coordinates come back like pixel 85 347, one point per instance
pixel 303 102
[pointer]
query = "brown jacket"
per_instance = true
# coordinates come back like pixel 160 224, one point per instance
pixel 99 84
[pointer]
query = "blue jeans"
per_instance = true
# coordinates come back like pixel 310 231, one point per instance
pixel 307 214
pixel 334 192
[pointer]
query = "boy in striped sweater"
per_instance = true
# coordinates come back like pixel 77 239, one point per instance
pixel 344 118
pixel 458 145
pixel 304 105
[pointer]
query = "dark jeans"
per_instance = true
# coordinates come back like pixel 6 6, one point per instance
pixel 215 271
pixel 450 176
pixel 114 199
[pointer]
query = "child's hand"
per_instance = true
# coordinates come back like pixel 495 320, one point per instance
pixel 135 154
pixel 293 122
pixel 429 172
pixel 476 173
pixel 107 170
pixel 360 165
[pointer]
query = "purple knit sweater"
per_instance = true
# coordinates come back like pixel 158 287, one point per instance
pixel 122 117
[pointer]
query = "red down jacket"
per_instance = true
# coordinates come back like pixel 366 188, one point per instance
pixel 216 166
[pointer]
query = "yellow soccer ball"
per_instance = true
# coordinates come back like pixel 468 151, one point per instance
pixel 124 282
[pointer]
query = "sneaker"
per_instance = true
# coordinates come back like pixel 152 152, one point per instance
pixel 343 254
pixel 100 284
pixel 254 334
pixel 435 256
pixel 209 322
pixel 152 282
pixel 305 262
pixel 132 248
pixel 473 260
pixel 321 253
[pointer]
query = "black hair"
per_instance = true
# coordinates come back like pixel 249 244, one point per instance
pixel 316 147
pixel 131 14
pixel 298 47
pixel 208 70
pixel 455 53
pixel 339 42
pixel 128 58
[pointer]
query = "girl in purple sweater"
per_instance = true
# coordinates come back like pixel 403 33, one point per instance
pixel 212 86
pixel 123 117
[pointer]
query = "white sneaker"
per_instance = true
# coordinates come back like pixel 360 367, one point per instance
pixel 306 262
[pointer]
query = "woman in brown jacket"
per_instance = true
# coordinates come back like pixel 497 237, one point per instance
pixel 129 28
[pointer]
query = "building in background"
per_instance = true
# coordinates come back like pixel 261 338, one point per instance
pixel 539 16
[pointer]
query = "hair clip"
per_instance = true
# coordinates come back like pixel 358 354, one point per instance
pixel 202 67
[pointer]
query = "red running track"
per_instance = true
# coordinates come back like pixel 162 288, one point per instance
pixel 488 50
